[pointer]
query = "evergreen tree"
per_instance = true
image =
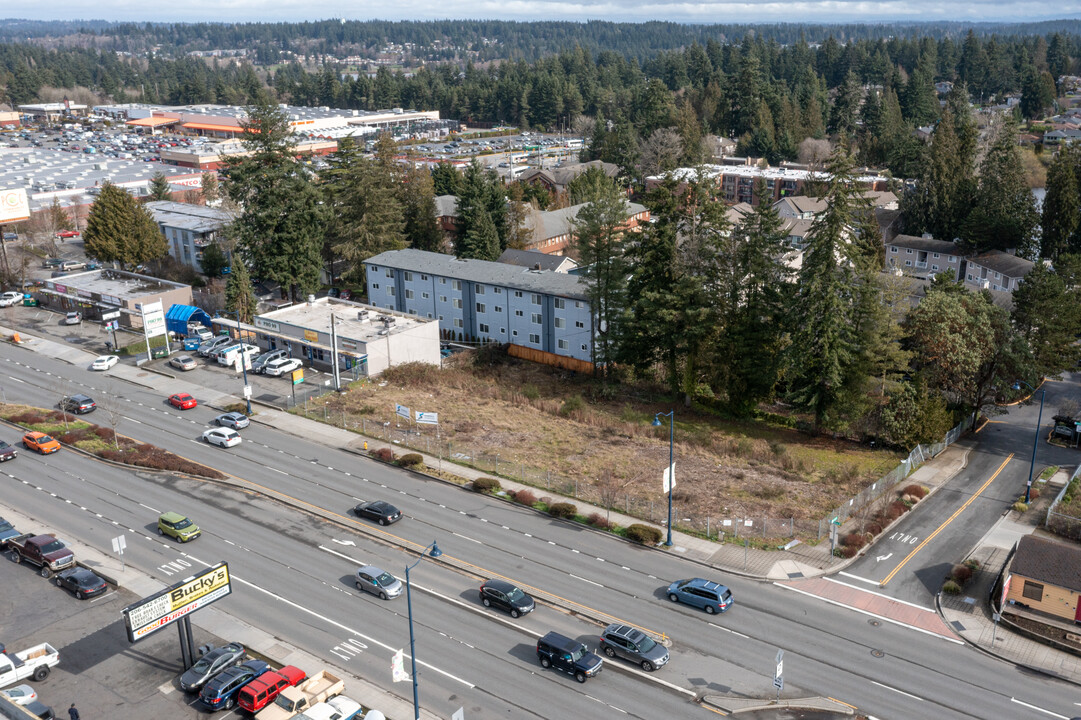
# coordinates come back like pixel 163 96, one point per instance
pixel 846 105
pixel 1004 214
pixel 119 229
pixel 519 234
pixel 1061 206
pixel 588 186
pixel 480 241
pixel 482 193
pixel 214 261
pixel 417 199
pixel 446 180
pixel 208 183
pixel 159 187
pixel 1047 313
pixel 239 296
pixel 939 201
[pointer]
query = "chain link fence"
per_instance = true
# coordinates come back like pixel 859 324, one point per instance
pixel 1067 526
pixel 655 511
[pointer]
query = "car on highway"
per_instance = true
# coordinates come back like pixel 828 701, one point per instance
pixel 382 512
pixel 706 594
pixel 235 420
pixel 40 442
pixel 104 362
pixel 379 582
pixel 222 437
pixel 281 366
pixel 506 596
pixel 209 665
pixel 66 234
pixel 72 318
pixel 219 693
pixel 79 404
pixel 178 526
pixel 572 657
pixel 81 582
pixel 182 401
pixel 7 452
pixel 20 694
pixel 630 643
pixel 183 363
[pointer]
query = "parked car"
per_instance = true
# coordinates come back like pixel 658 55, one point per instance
pixel 382 512
pixel 20 694
pixel 7 531
pixel 570 656
pixel 177 526
pixel 378 582
pixel 710 596
pixel 7 452
pixel 33 663
pixel 202 333
pixel 213 344
pixel 104 362
pixel 10 298
pixel 277 368
pixel 210 665
pixel 184 363
pixel 260 692
pixel 72 318
pixel 182 401
pixel 45 551
pixel 40 442
pixel 65 234
pixel 222 437
pixel 219 693
pixel 632 644
pixel 235 420
pixel 72 265
pixel 506 596
pixel 78 404
pixel 82 582
pixel 259 364
pixel 39 710
pixel 51 262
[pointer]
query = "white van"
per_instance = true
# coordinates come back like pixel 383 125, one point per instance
pixel 226 355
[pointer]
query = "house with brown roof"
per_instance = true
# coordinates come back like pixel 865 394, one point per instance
pixel 555 180
pixel 537 260
pixel 1045 575
pixel 923 256
pixel 996 270
pixel 799 207
pixel 446 213
pixel 553 230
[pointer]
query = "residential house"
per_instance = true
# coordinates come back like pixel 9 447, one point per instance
pixel 446 213
pixel 923 256
pixel 799 207
pixel 555 180
pixel 553 230
pixel 1045 575
pixel 189 229
pixel 537 260
pixel 490 301
pixel 996 270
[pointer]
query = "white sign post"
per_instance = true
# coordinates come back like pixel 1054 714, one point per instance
pixel 778 675
pixel 119 543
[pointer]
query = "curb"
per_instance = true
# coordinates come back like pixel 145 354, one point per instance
pixel 810 704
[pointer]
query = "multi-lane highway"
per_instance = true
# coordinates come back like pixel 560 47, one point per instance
pixel 293 567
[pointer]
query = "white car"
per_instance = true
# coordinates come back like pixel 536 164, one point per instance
pixel 20 694
pixel 104 362
pixel 73 318
pixel 277 368
pixel 222 437
pixel 10 298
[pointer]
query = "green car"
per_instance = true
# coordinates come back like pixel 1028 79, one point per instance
pixel 177 526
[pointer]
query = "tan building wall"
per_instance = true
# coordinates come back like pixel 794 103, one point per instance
pixel 1053 600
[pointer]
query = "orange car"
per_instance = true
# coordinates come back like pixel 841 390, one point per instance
pixel 41 442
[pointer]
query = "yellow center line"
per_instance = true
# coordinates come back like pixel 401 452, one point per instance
pixel 950 519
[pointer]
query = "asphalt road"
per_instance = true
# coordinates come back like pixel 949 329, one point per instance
pixel 293 577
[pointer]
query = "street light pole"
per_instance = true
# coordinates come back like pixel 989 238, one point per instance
pixel 1036 440
pixel 432 551
pixel 671 414
pixel 243 356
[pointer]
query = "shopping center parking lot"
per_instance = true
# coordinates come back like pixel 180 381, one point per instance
pixel 99 670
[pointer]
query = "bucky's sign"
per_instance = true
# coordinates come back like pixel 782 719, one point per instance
pixel 155 612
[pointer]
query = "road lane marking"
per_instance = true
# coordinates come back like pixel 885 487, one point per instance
pixel 728 630
pixel 902 692
pixel 463 537
pixel 861 579
pixel 949 520
pixel 1039 709
pixel 576 577
pixel 882 595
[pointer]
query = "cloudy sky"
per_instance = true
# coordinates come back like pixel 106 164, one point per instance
pixel 818 11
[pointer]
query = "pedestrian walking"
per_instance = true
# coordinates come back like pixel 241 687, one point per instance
pixel 73 712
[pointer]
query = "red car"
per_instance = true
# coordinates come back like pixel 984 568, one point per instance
pixel 68 234
pixel 182 401
pixel 261 691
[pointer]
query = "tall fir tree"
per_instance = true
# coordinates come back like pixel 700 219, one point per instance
pixel 119 229
pixel 1061 221
pixel 417 198
pixel 481 240
pixel 1004 214
pixel 239 296
pixel 159 187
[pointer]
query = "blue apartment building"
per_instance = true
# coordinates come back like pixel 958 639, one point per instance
pixel 490 301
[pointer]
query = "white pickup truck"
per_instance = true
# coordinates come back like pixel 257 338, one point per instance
pixel 32 663
pixel 295 700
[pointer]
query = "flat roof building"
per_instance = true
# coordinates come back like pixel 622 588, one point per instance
pixel 189 229
pixel 97 292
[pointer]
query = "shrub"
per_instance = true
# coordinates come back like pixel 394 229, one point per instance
pixel 1033 493
pixel 486 484
pixel 856 540
pixel 960 574
pixel 530 391
pixel 1020 506
pixel 645 534
pixel 411 460
pixel 571 405
pixel 950 587
pixel 896 509
pixel 873 528
pixel 598 521
pixel 563 510
pixel 846 551
pixel 525 497
pixel 917 492
pixel 383 454
pixel 972 564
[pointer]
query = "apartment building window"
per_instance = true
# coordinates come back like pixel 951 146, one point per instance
pixel 497 291
pixel 564 345
pixel 423 277
pixel 408 294
pixel 534 338
pixel 457 322
pixel 456 284
pixel 374 268
pixel 560 323
pixel 893 249
pixel 584 346
pixel 484 328
pixel 536 319
pixel 442 298
pixel 951 258
pixel 440 318
pixel 375 286
pixel 429 316
pixel 1033 591
pixel 535 299
pixel 498 309
pixel 480 307
pixel 934 268
pixel 518 313
pixel 579 324
pixel 934 255
pixel 478 289
pixel 517 293
pixel 502 331
pixel 408 276
pixel 908 263
pixel 424 296
pixel 998 275
pixel 578 304
pixel 390 290
pixel 514 333
pixel 908 251
pixel 561 304
pixel 442 281
pixel 458 303
pixel 390 273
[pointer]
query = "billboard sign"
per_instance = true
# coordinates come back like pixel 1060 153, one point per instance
pixel 13 206
pixel 151 614
pixel 153 319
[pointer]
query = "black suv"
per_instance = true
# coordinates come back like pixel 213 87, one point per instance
pixel 570 656
pixel 78 404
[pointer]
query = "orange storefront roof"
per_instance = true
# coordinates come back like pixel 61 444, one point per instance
pixel 210 126
pixel 151 121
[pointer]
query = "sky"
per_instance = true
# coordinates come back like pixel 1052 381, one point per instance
pixel 688 11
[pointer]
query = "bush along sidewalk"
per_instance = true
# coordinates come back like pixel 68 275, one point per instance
pixel 959 576
pixel 882 518
pixel 639 533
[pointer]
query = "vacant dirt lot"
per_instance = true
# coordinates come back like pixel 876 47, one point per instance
pixel 545 418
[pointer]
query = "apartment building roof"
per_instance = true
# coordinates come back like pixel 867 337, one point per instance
pixel 197 218
pixel 928 244
pixel 483 271
pixel 533 259
pixel 1005 263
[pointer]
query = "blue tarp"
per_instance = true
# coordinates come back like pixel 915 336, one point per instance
pixel 178 316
